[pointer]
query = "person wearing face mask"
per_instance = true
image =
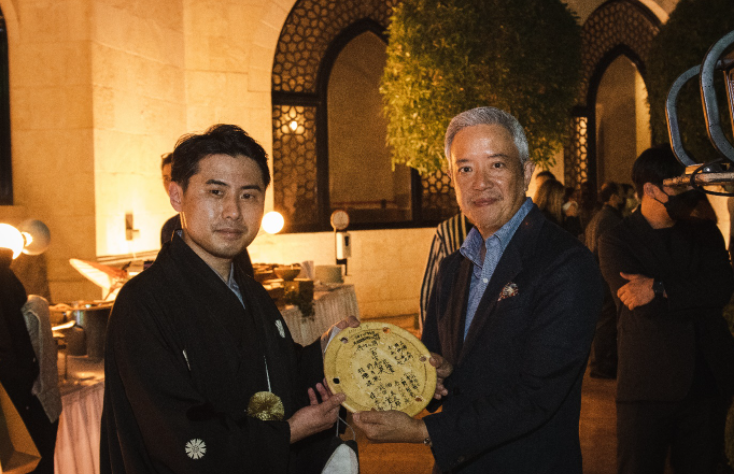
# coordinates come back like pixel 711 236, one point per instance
pixel 670 278
pixel 603 359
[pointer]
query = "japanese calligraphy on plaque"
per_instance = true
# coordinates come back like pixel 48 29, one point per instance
pixel 380 367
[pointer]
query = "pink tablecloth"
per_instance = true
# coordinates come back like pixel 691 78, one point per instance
pixel 77 443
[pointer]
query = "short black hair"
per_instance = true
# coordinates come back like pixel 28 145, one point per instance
pixel 655 165
pixel 166 159
pixel 220 139
pixel 608 189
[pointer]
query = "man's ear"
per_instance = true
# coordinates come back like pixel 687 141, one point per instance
pixel 175 194
pixel 648 189
pixel 527 169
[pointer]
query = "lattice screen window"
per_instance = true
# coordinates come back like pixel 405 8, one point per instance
pixel 576 155
pixel 294 162
pixel 439 198
pixel 312 37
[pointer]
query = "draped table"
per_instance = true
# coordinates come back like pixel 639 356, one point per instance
pixel 77 444
pixel 331 304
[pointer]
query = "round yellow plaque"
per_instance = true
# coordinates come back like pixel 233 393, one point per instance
pixel 380 367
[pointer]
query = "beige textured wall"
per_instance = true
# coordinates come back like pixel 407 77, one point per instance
pixel 139 108
pixel 642 115
pixel 616 124
pixel 52 137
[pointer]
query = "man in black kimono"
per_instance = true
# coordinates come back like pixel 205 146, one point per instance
pixel 192 339
pixel 670 277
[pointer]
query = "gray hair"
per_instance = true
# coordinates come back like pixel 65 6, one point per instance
pixel 487 116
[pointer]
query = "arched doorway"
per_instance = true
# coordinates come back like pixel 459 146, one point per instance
pixel 622 117
pixel 618 30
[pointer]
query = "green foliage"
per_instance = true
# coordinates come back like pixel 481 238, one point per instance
pixel 304 303
pixel 447 56
pixel 693 27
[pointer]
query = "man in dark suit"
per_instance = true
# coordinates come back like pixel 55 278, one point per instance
pixel 603 360
pixel 670 277
pixel 510 322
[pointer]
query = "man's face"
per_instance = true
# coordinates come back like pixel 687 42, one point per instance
pixel 222 207
pixel 489 180
pixel 166 175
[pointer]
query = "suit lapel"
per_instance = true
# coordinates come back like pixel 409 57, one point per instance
pixel 507 269
pixel 453 325
pixel 521 246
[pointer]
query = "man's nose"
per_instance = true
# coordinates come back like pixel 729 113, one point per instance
pixel 483 178
pixel 231 207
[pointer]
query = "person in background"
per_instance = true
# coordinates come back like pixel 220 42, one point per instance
pixel 28 362
pixel 671 278
pixel 630 199
pixel 603 360
pixel 510 320
pixel 549 200
pixel 588 204
pixel 174 223
pixel 201 372
pixel 572 221
pixel 542 177
pixel 450 234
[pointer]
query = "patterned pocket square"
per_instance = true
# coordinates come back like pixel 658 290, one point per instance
pixel 508 291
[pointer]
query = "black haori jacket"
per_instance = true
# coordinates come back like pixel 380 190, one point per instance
pixel 183 358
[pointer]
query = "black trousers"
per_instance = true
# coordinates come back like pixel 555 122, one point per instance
pixel 603 361
pixel 43 433
pixel 693 430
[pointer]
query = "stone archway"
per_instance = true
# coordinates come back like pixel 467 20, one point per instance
pixel 313 31
pixel 617 27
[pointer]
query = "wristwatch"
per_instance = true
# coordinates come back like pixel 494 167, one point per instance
pixel 658 288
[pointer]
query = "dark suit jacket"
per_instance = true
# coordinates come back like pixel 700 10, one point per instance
pixel 515 393
pixel 658 341
pixel 607 218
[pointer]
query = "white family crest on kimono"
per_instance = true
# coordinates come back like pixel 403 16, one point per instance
pixel 195 448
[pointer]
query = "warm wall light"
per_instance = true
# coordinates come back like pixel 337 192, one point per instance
pixel 293 125
pixel 37 236
pixel 11 238
pixel 273 222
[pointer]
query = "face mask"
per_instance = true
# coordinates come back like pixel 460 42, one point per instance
pixel 680 206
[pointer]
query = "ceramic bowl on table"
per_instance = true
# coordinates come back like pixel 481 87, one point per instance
pixel 287 272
